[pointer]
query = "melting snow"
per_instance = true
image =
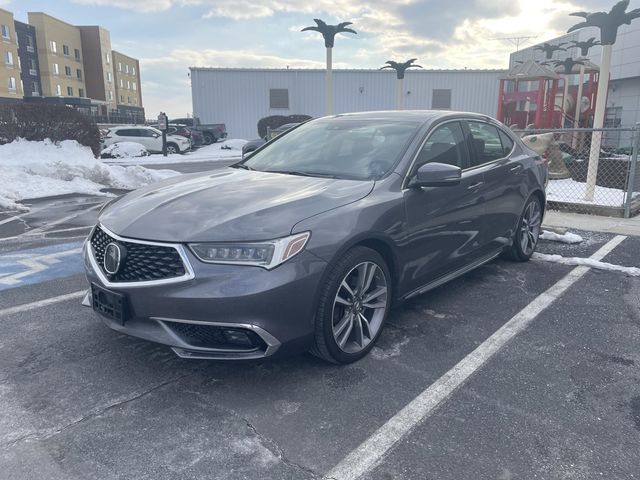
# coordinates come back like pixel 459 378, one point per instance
pixel 587 262
pixel 563 238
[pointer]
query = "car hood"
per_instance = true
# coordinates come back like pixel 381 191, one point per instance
pixel 227 205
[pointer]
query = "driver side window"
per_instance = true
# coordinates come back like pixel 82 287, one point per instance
pixel 445 145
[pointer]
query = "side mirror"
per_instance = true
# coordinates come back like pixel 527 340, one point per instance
pixel 436 175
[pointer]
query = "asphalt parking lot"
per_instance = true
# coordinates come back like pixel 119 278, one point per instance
pixel 558 396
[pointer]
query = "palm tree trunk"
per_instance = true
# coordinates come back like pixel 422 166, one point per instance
pixel 576 120
pixel 328 88
pixel 399 94
pixel 565 95
pixel 598 121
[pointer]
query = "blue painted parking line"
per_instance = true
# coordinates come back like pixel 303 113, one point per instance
pixel 27 267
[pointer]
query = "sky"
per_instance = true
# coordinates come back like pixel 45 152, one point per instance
pixel 169 36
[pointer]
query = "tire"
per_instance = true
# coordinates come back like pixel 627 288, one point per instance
pixel 530 224
pixel 209 139
pixel 172 148
pixel 347 327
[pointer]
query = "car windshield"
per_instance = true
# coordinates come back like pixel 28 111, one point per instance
pixel 338 147
pixel 155 130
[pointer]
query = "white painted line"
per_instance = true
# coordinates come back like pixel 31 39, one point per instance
pixel 10 219
pixel 370 452
pixel 25 307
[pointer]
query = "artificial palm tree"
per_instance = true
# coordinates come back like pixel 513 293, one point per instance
pixel 400 69
pixel 568 65
pixel 549 48
pixel 585 46
pixel 608 24
pixel 329 33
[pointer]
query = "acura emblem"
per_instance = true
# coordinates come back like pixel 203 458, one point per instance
pixel 112 258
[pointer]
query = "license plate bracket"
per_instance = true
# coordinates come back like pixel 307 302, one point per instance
pixel 111 304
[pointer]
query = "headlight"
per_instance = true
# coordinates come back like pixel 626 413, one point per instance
pixel 263 254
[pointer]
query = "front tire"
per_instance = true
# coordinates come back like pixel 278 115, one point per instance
pixel 172 148
pixel 528 231
pixel 353 307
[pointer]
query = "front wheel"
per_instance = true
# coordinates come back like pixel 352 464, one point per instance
pixel 528 231
pixel 172 148
pixel 354 304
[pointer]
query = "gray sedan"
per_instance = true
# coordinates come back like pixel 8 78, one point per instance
pixel 307 244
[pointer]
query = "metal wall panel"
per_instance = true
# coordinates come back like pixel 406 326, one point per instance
pixel 240 97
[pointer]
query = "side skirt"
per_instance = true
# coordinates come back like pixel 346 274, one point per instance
pixel 442 280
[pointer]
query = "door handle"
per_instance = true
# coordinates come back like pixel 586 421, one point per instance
pixel 515 168
pixel 475 185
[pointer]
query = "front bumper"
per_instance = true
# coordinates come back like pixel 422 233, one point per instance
pixel 276 307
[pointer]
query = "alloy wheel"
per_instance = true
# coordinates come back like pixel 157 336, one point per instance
pixel 359 307
pixel 530 227
pixel 171 149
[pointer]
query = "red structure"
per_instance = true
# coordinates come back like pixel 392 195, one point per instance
pixel 532 94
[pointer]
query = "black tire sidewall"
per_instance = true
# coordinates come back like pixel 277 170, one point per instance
pixel 325 310
pixel 517 251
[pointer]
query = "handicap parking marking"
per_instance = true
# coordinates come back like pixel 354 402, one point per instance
pixel 27 267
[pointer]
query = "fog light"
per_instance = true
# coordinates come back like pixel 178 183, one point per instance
pixel 237 337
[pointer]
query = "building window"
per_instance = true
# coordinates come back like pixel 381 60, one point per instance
pixel 135 86
pixel 8 59
pixel 109 77
pixel 128 85
pixel 12 84
pixel 30 44
pixel 58 90
pixel 126 68
pixel 107 57
pixel 35 90
pixel 110 95
pixel 441 98
pixel 81 92
pixel 133 71
pixel 119 66
pixel 121 98
pixel 56 69
pixel 67 70
pixel 279 98
pixel 135 101
pixel 129 100
pixel 65 50
pixel 6 33
pixel 121 83
pixel 53 47
pixel 70 91
pixel 79 74
pixel 76 53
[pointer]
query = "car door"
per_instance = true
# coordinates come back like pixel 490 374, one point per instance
pixel 505 182
pixel 444 224
pixel 149 140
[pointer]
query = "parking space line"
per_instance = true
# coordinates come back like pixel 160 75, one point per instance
pixel 370 452
pixel 25 307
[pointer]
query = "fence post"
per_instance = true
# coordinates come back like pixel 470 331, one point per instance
pixel 632 171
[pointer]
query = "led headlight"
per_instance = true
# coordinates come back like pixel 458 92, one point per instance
pixel 268 254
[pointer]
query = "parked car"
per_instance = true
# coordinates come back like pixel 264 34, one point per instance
pixel 211 132
pixel 253 145
pixel 308 243
pixel 196 137
pixel 149 137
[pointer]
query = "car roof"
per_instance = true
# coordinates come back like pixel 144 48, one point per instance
pixel 132 126
pixel 423 116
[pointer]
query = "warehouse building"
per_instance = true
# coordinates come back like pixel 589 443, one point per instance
pixel 241 97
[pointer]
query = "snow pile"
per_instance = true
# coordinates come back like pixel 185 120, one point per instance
pixel 42 169
pixel 124 150
pixel 587 262
pixel 565 238
pixel 233 144
pixel 570 191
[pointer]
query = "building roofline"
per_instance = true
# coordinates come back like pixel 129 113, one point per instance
pixel 51 17
pixel 350 70
pixel 125 55
pixel 7 11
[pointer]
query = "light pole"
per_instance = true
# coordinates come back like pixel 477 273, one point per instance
pixel 400 69
pixel 608 24
pixel 329 33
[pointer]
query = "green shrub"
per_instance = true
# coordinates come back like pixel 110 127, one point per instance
pixel 37 122
pixel 276 121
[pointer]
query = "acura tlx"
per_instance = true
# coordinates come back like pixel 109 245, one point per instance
pixel 308 242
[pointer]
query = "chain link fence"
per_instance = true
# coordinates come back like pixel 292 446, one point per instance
pixel 593 170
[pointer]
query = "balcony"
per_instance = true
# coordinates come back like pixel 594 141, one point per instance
pixel 33 72
pixel 30 49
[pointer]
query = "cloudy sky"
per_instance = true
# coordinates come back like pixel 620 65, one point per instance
pixel 168 36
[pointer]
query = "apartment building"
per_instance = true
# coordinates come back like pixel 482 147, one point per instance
pixel 127 82
pixel 10 83
pixel 28 55
pixel 60 57
pixel 98 66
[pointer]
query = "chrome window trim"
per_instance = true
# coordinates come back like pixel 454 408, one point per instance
pixel 189 273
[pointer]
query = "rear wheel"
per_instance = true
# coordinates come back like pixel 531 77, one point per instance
pixel 354 304
pixel 528 232
pixel 208 139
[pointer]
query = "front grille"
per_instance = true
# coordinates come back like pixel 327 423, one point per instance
pixel 141 263
pixel 213 336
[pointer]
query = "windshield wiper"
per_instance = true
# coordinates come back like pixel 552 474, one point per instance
pixel 303 174
pixel 241 165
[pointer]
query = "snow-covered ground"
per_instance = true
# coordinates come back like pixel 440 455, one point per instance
pixel 124 150
pixel 570 191
pixel 42 169
pixel 208 153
